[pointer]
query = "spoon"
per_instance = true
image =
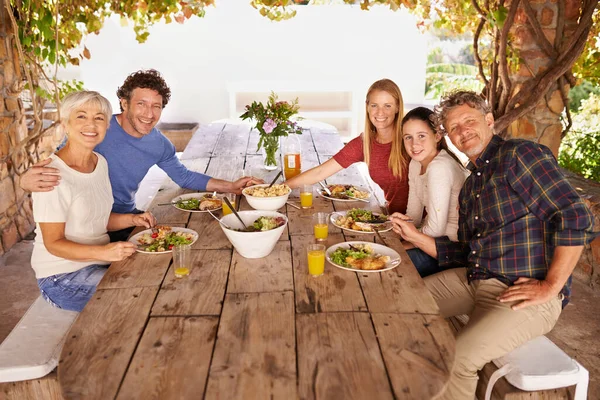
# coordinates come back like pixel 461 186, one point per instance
pixel 219 221
pixel 275 180
pixel 232 208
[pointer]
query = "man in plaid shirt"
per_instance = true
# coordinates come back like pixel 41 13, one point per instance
pixel 522 228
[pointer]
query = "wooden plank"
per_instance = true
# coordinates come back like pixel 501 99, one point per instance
pixel 255 164
pixel 272 273
pixel 211 235
pixel 349 176
pixel 202 292
pixel 228 168
pixel 172 359
pixel 335 290
pixel 414 362
pixel 326 143
pixel 168 215
pixel 400 290
pixel 443 334
pixel 233 141
pixel 339 358
pixel 46 388
pixel 203 141
pixel 198 164
pixel 139 270
pixel 255 355
pixel 100 344
pixel 301 221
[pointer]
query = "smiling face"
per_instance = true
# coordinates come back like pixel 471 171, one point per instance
pixel 382 109
pixel 87 125
pixel 469 130
pixel 420 142
pixel 142 112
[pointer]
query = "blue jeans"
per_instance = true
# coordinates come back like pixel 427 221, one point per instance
pixel 72 291
pixel 425 264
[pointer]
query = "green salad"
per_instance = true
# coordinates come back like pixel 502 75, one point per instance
pixel 189 204
pixel 264 224
pixel 340 254
pixel 360 215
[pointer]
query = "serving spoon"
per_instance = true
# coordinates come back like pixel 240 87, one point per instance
pixel 218 220
pixel 232 208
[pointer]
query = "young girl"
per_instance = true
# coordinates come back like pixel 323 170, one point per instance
pixel 435 177
pixel 382 151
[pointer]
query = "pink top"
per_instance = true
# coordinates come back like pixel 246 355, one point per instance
pixel 394 188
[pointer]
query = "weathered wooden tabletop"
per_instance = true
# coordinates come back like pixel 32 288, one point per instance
pixel 260 328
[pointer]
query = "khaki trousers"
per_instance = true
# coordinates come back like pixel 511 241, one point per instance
pixel 493 330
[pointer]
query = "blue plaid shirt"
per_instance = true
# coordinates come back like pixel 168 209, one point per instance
pixel 514 209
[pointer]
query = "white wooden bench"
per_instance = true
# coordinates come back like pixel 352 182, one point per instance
pixel 536 366
pixel 33 347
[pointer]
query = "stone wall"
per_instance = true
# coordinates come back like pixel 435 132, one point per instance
pixel 16 219
pixel 542 125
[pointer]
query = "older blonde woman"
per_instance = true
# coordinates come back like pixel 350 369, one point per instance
pixel 72 250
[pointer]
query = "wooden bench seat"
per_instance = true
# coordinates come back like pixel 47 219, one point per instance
pixel 32 350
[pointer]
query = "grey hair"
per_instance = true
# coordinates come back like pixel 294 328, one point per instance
pixel 74 100
pixel 456 99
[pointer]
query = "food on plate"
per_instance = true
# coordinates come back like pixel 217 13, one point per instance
pixel 263 191
pixel 164 240
pixel 264 224
pixel 206 202
pixel 360 220
pixel 345 192
pixel 360 256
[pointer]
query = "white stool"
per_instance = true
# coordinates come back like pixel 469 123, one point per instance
pixel 33 347
pixel 540 365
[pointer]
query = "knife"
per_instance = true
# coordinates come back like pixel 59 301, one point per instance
pixel 379 236
pixel 325 188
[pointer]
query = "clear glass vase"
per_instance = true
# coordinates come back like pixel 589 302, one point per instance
pixel 270 153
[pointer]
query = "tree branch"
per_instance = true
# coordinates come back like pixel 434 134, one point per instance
pixel 503 65
pixel 537 31
pixel 476 50
pixel 539 87
pixel 563 94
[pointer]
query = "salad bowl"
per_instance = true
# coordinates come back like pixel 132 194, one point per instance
pixel 259 243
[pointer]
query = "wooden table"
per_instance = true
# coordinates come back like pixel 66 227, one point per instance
pixel 261 328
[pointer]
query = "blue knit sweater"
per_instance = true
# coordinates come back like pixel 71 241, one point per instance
pixel 130 158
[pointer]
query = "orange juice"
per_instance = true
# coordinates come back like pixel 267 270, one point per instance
pixel 321 231
pixel 306 199
pixel 181 272
pixel 226 209
pixel 291 165
pixel 316 262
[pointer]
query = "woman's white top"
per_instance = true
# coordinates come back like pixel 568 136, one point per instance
pixel 83 202
pixel 436 191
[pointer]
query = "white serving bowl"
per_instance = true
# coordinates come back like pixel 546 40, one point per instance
pixel 265 203
pixel 252 244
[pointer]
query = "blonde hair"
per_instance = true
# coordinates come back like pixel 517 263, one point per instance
pixel 76 99
pixel 397 160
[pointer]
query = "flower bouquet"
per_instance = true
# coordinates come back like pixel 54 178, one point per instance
pixel 272 122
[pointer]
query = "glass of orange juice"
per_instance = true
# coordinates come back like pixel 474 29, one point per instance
pixel 316 259
pixel 182 260
pixel 320 225
pixel 306 196
pixel 231 197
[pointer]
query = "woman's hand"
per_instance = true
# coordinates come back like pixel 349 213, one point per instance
pixel 146 219
pixel 117 251
pixel 403 225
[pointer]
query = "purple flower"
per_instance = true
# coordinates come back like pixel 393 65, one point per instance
pixel 269 125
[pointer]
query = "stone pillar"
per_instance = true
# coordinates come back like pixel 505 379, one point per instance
pixel 542 125
pixel 16 217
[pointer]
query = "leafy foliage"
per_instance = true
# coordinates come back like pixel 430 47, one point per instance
pixel 581 92
pixel 272 120
pixel 579 149
pixel 443 78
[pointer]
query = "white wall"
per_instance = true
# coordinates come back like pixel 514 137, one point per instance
pixel 340 45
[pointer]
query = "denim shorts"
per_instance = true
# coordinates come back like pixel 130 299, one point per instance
pixel 72 291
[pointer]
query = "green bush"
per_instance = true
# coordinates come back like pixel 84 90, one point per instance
pixel 580 149
pixel 580 93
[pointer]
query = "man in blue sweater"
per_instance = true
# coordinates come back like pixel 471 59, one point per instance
pixel 132 146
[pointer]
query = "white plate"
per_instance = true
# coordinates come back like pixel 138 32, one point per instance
pixel 382 227
pixel 194 196
pixel 134 239
pixel 362 189
pixel 377 248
